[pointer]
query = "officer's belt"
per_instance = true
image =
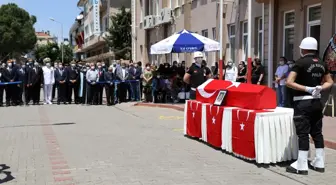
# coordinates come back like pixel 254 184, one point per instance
pixel 307 97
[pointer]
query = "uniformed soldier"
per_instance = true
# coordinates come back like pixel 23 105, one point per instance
pixel 195 75
pixel 308 77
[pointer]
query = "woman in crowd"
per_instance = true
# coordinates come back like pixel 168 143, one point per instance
pixel 231 72
pixel 241 72
pixel 258 72
pixel 147 83
pixel 280 81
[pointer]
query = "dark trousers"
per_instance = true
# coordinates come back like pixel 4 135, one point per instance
pixel 129 91
pixel 100 89
pixel 9 94
pixel 148 95
pixel 61 93
pixel 53 91
pixel 109 90
pixel 121 92
pixel 19 94
pixel 92 94
pixel 2 88
pixel 73 87
pixel 308 120
pixel 192 95
pixel 35 93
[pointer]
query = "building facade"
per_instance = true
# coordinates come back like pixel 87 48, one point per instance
pixel 278 26
pixel 44 37
pixel 96 21
pixel 157 19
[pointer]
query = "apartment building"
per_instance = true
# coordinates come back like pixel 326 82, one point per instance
pixel 44 37
pixel 76 36
pixel 96 22
pixel 157 19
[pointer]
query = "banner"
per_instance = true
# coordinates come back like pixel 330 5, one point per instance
pixel 96 17
pixel 329 55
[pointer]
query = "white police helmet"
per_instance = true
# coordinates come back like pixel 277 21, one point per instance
pixel 309 43
pixel 198 54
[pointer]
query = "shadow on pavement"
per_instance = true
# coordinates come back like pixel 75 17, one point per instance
pixel 8 174
pixel 38 125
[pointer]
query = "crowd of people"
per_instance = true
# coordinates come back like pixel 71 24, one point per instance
pixel 122 81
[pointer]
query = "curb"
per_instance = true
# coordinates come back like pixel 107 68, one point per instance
pixel 328 143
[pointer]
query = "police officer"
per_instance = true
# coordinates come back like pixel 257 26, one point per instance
pixel 308 77
pixel 195 75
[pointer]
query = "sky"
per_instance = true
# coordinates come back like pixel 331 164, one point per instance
pixel 64 11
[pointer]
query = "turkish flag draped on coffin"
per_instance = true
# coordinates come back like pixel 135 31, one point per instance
pixel 214 117
pixel 194 118
pixel 243 132
pixel 243 95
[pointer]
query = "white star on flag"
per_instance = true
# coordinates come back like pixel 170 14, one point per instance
pixel 213 120
pixel 193 114
pixel 235 84
pixel 242 126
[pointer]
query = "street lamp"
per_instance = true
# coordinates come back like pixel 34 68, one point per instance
pixel 62 39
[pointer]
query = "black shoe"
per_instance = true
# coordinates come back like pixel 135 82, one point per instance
pixel 65 103
pixel 290 169
pixel 58 103
pixel 321 170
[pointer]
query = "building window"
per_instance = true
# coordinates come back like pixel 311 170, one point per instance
pixel 91 28
pixel 86 31
pixel 244 40
pixel 314 21
pixel 260 39
pixel 205 33
pixel 157 7
pixel 141 11
pixel 289 34
pixel 232 37
pixel 214 33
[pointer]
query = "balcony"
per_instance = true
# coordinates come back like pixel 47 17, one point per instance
pixel 94 41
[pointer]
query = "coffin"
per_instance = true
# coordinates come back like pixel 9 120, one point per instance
pixel 242 95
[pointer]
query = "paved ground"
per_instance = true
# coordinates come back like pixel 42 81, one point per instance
pixel 122 145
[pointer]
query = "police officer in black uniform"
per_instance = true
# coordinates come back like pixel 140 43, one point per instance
pixel 308 77
pixel 195 75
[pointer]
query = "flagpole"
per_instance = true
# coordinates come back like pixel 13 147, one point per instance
pixel 220 65
pixel 249 42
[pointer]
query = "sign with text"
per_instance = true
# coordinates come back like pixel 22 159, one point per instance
pixel 96 17
pixel 330 55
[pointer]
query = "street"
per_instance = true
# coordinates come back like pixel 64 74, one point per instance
pixel 122 145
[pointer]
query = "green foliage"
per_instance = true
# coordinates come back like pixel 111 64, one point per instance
pixel 17 34
pixel 54 52
pixel 119 38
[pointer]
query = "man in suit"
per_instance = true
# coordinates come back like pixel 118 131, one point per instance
pixel 54 86
pixel 11 90
pixel 23 77
pixel 61 80
pixel 100 86
pixel 73 85
pixel 35 81
pixel 109 86
pixel 3 79
pixel 122 75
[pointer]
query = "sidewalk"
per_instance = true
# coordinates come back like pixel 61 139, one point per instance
pixel 329 123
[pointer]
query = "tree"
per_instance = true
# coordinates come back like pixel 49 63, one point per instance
pixel 54 52
pixel 17 33
pixel 119 38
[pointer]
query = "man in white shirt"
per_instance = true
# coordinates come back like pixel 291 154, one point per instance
pixel 49 80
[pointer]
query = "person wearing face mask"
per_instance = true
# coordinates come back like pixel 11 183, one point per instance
pixel 258 72
pixel 206 70
pixel 280 79
pixel 100 87
pixel 48 79
pixel 109 86
pixel 147 78
pixel 73 82
pixel 35 78
pixel 61 81
pixel 55 85
pixel 3 79
pixel 23 77
pixel 122 74
pixel 308 77
pixel 92 79
pixel 195 75
pixel 82 84
pixel 11 90
pixel 241 72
